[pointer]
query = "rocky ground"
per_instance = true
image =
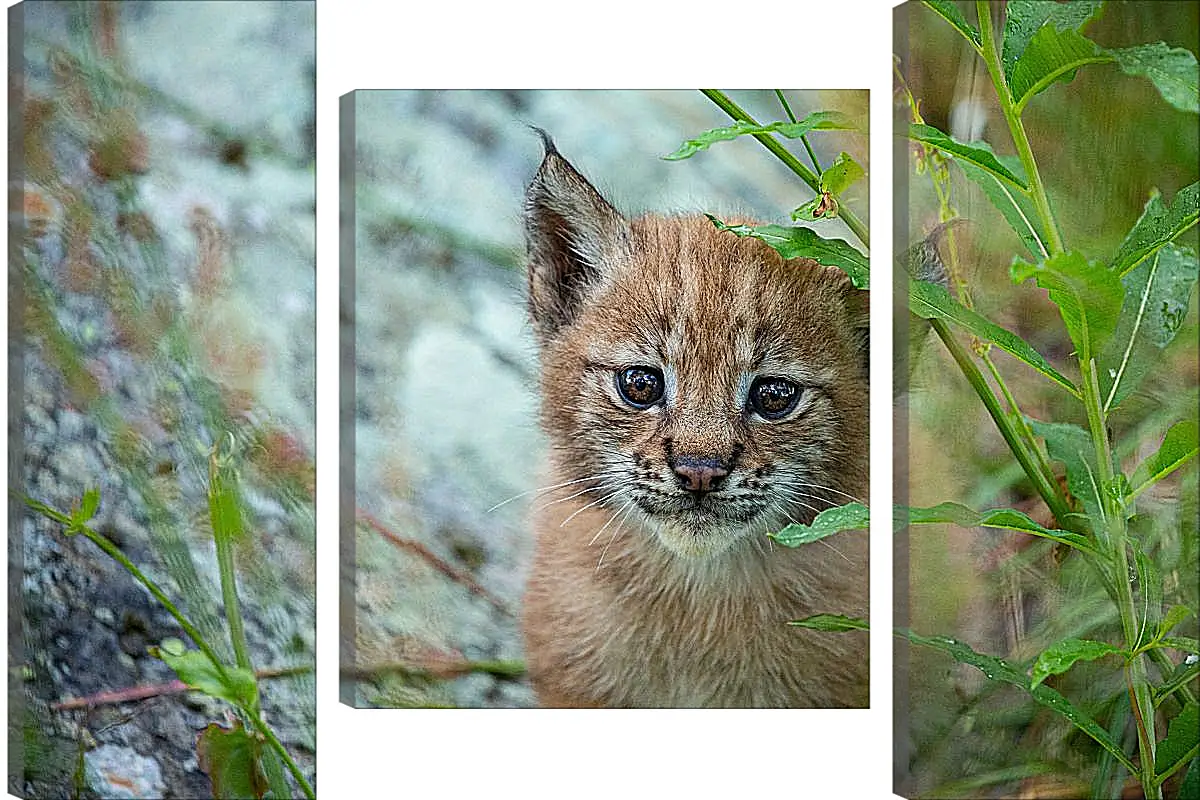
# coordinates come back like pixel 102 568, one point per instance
pixel 215 173
pixel 445 371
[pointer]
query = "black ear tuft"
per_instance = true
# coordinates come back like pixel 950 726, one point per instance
pixel 573 235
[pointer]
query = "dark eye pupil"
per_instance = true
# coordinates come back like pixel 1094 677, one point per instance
pixel 640 386
pixel 774 397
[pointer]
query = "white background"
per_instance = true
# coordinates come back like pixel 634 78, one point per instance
pixel 613 44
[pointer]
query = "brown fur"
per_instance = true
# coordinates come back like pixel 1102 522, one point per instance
pixel 640 594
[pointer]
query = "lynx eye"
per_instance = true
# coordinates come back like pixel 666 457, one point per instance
pixel 641 387
pixel 773 398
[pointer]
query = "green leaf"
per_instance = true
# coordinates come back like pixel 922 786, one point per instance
pixel 806 243
pixel 224 505
pixel 1178 447
pixel 1052 55
pixel 1016 207
pixel 816 121
pixel 980 156
pixel 999 670
pixel 1072 445
pixel 949 12
pixel 198 672
pixel 1004 518
pixel 87 507
pixel 1185 643
pixel 1157 294
pixel 1150 592
pixel 841 174
pixel 1023 18
pixel 48 511
pixel 1184 674
pixel 230 758
pixel 1173 617
pixel 1190 787
pixel 831 622
pixel 1183 737
pixel 850 517
pixel 1061 656
pixel 1172 70
pixel 930 301
pixel 1158 225
pixel 1088 296
pixel 823 206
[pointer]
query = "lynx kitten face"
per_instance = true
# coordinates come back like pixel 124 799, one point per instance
pixel 692 380
pixel 698 392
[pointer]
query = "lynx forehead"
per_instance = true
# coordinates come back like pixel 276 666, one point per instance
pixel 699 392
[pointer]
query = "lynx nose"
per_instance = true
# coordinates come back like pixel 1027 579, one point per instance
pixel 700 474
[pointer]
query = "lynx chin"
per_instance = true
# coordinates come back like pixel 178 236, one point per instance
pixel 698 392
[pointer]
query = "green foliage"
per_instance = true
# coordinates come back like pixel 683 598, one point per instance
pixel 977 155
pixel 817 121
pixel 831 622
pixel 1062 655
pixel 850 517
pixel 807 243
pixel 930 301
pixel 1000 518
pixel 1120 311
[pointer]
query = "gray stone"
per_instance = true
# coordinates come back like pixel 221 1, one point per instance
pixel 121 773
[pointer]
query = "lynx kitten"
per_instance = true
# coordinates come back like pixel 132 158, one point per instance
pixel 698 392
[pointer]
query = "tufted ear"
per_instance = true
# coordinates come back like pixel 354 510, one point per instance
pixel 572 235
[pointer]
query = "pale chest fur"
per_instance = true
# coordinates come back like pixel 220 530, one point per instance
pixel 644 629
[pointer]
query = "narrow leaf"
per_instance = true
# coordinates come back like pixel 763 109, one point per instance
pixel 1052 55
pixel 1185 643
pixel 1184 674
pixel 1158 225
pixel 197 671
pixel 930 301
pixel 88 506
pixel 1172 70
pixel 948 11
pixel 807 243
pixel 1023 18
pixel 45 510
pixel 1190 787
pixel 1061 656
pixel 982 157
pixel 816 121
pixel 1157 294
pixel 1003 518
pixel 1150 592
pixel 999 670
pixel 1088 296
pixel 229 756
pixel 1072 445
pixel 1179 446
pixel 831 622
pixel 224 505
pixel 841 174
pixel 852 516
pixel 1183 735
pixel 1173 617
pixel 1015 206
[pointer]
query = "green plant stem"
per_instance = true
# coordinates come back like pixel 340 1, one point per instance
pixel 265 731
pixel 1047 489
pixel 790 161
pixel 787 109
pixel 115 553
pixel 1018 417
pixel 1114 517
pixel 1037 190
